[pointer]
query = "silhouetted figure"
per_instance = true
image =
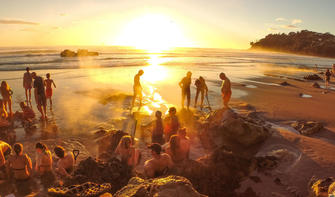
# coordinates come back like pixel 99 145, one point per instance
pixel 327 79
pixel 171 124
pixel 27 84
pixel 185 85
pixel 48 88
pixel 137 88
pixel 39 93
pixel 225 89
pixel 201 88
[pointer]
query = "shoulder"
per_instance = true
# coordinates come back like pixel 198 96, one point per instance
pixel 166 156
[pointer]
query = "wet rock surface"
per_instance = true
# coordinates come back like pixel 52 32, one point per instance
pixel 88 189
pixel 307 127
pixel 322 187
pixel 312 77
pixel 160 187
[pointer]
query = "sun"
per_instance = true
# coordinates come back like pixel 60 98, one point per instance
pixel 152 32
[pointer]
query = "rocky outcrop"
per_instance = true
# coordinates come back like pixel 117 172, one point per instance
pixel 315 85
pixel 321 187
pixel 312 77
pixel 80 53
pixel 107 141
pixel 84 190
pixel 284 84
pixel 224 128
pixel 307 127
pixel 160 187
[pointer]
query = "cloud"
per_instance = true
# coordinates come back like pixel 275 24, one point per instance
pixel 16 22
pixel 62 14
pixel 296 21
pixel 288 26
pixel 280 19
pixel 272 29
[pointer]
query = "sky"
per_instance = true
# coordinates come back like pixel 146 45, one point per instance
pixel 158 23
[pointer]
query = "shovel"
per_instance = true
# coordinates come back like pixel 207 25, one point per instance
pixel 75 154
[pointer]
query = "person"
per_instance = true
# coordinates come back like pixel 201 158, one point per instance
pixel 127 152
pixel 6 93
pixel 185 85
pixel 5 150
pixel 333 70
pixel 65 163
pixel 137 88
pixel 3 111
pixel 39 93
pixel 174 149
pixel 27 112
pixel 43 166
pixel 327 79
pixel 171 124
pixel 157 129
pixel 201 88
pixel 185 143
pixel 48 91
pixel 20 164
pixel 27 84
pixel 225 89
pixel 160 163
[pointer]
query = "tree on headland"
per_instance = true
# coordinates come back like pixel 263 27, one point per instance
pixel 304 42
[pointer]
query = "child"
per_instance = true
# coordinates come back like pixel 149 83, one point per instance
pixel 6 94
pixel 48 91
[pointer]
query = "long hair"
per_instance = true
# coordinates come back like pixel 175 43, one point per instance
pixel 125 142
pixel 42 146
pixel 4 88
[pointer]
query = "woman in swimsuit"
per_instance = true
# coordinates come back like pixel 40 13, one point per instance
pixel 43 165
pixel 127 152
pixel 20 164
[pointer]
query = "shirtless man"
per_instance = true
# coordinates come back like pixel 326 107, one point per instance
pixel 48 88
pixel 201 88
pixel 185 85
pixel 20 164
pixel 40 97
pixel 137 88
pixel 225 89
pixel 185 143
pixel 159 164
pixel 65 163
pixel 27 84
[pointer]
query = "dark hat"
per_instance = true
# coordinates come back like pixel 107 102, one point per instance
pixel 155 147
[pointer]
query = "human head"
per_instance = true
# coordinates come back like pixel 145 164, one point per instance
pixel 33 75
pixel 18 148
pixel 140 72
pixel 174 143
pixel 40 147
pixel 158 114
pixel 222 76
pixel 189 74
pixel 4 85
pixel 182 132
pixel 125 142
pixel 27 69
pixel 59 151
pixel 172 110
pixel 48 75
pixel 155 148
pixel 201 78
pixel 22 105
pixel 7 152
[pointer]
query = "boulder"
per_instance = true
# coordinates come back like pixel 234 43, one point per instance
pixel 321 187
pixel 84 190
pixel 312 77
pixel 307 127
pixel 159 187
pixel 68 53
pixel 284 84
pixel 315 85
pixel 80 53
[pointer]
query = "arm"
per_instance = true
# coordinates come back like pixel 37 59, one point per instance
pixel 2 158
pixel 54 83
pixel 29 165
pixel 148 170
pixel 180 84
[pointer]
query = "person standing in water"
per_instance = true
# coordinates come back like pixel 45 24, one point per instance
pixel 137 88
pixel 201 88
pixel 327 79
pixel 225 89
pixel 39 93
pixel 27 84
pixel 48 91
pixel 185 85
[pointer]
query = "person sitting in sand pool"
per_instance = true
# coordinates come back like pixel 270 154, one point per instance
pixel 43 166
pixel 6 94
pixel 171 124
pixel 127 152
pixel 160 163
pixel 327 79
pixel 185 85
pixel 27 113
pixel 156 129
pixel 65 163
pixel 5 150
pixel 27 84
pixel 48 91
pixel 175 150
pixel 137 88
pixel 225 89
pixel 201 88
pixel 39 93
pixel 185 143
pixel 20 164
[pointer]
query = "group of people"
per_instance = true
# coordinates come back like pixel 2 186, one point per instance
pixel 185 85
pixel 42 92
pixel 18 167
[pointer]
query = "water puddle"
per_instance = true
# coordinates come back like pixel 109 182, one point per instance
pixel 250 86
pixel 302 95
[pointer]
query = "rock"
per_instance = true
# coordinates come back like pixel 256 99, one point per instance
pixel 312 77
pixel 84 190
pixel 315 85
pixel 108 142
pixel 307 127
pixel 320 187
pixel 284 84
pixel 80 53
pixel 159 187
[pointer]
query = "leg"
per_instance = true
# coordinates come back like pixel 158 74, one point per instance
pixel 196 98
pixel 134 98
pixel 50 103
pixel 202 98
pixel 26 91
pixel 140 97
pixel 182 98
pixel 29 95
pixel 188 98
pixel 10 107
